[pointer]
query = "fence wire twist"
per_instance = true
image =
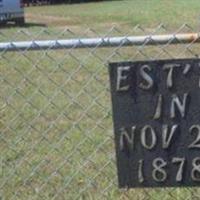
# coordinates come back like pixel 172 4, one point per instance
pixel 56 136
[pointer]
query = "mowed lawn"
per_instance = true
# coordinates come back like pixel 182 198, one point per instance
pixel 145 12
pixel 102 16
pixel 56 135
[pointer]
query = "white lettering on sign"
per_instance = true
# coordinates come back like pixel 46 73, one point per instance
pixel 195 173
pixel 145 72
pixel 170 68
pixel 196 142
pixel 148 137
pixel 158 111
pixel 122 74
pixel 177 105
pixel 158 131
pixel 181 162
pixel 148 130
pixel 125 138
pixel 146 77
pixel 159 172
pixel 140 171
pixel 167 135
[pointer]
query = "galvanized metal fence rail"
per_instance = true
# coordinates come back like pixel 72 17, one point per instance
pixel 101 42
pixel 56 136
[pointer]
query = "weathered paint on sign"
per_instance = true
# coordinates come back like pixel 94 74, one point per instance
pixel 156 114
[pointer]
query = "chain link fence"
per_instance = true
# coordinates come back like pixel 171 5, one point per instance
pixel 56 135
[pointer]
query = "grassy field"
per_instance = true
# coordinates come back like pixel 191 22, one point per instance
pixel 102 16
pixel 145 12
pixel 56 137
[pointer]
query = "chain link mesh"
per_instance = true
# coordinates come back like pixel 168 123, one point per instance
pixel 56 135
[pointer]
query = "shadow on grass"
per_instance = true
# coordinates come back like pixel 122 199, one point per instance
pixel 26 25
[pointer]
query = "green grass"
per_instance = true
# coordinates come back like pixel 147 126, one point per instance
pixel 102 16
pixel 146 12
pixel 56 132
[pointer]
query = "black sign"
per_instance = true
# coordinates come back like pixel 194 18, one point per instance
pixel 156 113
